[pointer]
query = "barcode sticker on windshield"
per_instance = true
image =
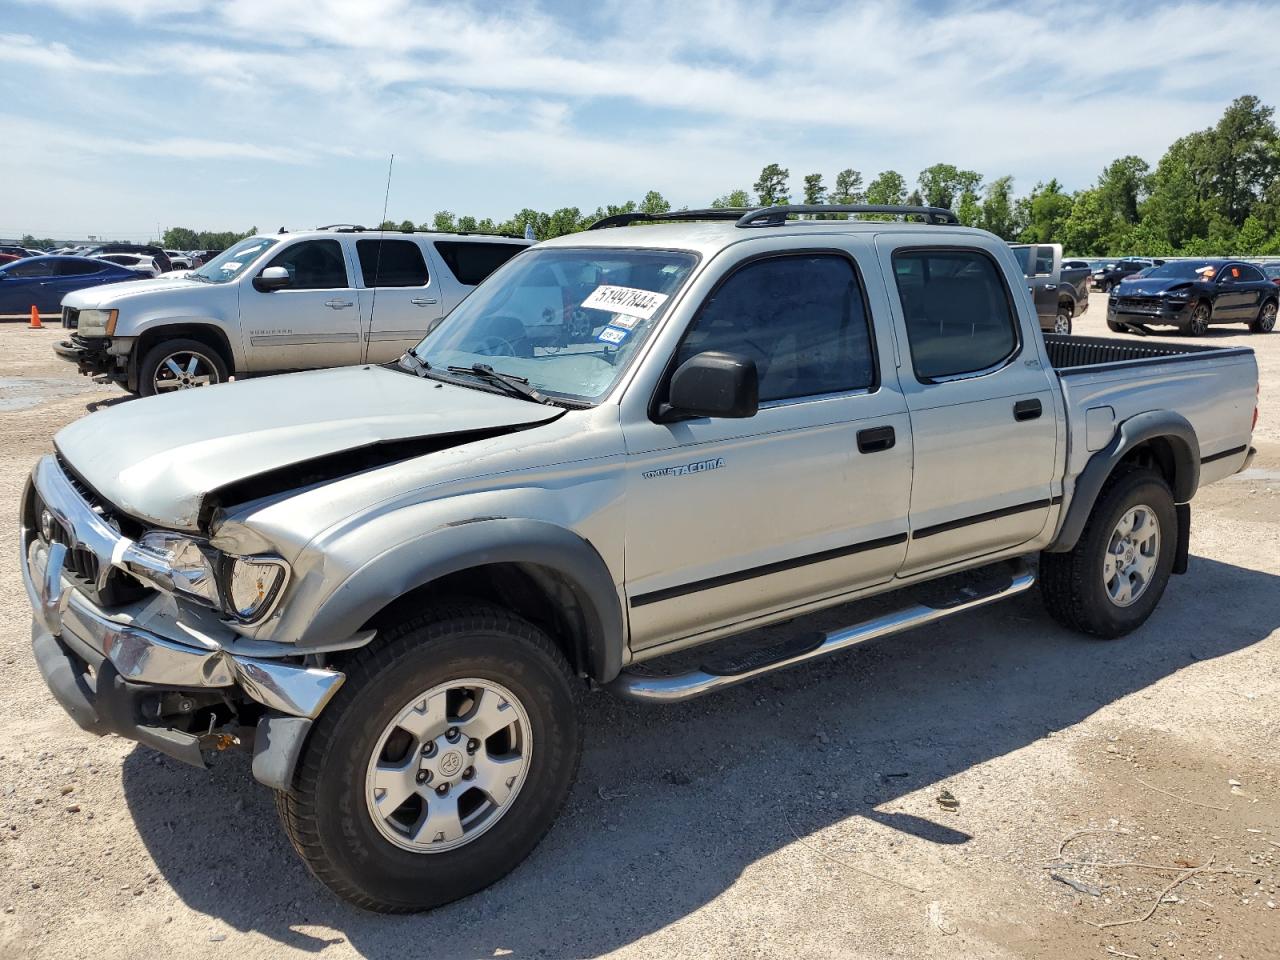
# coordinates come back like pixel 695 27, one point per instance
pixel 626 300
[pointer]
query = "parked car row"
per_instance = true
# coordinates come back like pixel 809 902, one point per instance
pixel 1192 295
pixel 43 281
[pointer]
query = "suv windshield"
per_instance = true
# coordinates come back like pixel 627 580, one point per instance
pixel 234 261
pixel 1182 270
pixel 566 320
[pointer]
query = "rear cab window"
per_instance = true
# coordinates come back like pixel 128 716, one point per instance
pixel 472 261
pixel 958 312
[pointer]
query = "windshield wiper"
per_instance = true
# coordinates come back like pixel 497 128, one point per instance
pixel 517 385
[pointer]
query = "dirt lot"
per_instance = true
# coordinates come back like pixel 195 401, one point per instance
pixel 794 816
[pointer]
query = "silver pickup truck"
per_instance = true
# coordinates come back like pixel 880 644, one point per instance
pixel 628 448
pixel 289 301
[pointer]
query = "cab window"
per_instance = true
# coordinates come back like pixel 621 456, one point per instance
pixel 958 312
pixel 313 265
pixel 391 263
pixel 801 318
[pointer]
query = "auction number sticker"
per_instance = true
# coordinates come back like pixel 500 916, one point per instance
pixel 625 300
pixel 613 335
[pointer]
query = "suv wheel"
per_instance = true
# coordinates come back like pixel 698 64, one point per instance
pixel 179 365
pixel 1198 325
pixel 1110 582
pixel 1266 319
pixel 440 764
pixel 1062 324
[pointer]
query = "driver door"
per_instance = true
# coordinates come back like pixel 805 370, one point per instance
pixel 314 322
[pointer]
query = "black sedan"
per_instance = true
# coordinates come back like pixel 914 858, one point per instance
pixel 1191 294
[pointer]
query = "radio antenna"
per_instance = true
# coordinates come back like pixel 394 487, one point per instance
pixel 377 260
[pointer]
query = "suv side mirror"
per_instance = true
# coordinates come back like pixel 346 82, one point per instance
pixel 271 279
pixel 713 384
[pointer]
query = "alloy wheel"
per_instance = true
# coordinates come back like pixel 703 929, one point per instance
pixel 184 370
pixel 1132 555
pixel 449 765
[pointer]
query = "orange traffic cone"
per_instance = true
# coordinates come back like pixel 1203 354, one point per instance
pixel 35 319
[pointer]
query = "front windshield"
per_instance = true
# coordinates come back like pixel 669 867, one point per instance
pixel 234 261
pixel 1182 270
pixel 566 320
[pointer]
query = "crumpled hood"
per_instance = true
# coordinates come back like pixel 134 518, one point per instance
pixel 1150 287
pixel 110 294
pixel 156 459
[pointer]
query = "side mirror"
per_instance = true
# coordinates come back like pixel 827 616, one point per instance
pixel 271 279
pixel 713 384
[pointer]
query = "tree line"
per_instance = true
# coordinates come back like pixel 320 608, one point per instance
pixel 1214 191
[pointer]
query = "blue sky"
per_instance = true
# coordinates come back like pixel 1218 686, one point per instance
pixel 121 115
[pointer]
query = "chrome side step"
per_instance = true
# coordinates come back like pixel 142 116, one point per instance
pixel 686 686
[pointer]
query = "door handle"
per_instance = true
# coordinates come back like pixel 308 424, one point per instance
pixel 423 301
pixel 1051 286
pixel 875 439
pixel 1027 410
pixel 338 304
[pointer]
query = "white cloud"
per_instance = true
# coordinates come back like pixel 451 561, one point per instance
pixel 691 98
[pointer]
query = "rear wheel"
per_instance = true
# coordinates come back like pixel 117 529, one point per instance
pixel 1109 584
pixel 442 761
pixel 180 365
pixel 1198 325
pixel 1062 324
pixel 1265 322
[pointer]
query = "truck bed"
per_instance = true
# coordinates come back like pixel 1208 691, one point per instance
pixel 1106 381
pixel 1071 355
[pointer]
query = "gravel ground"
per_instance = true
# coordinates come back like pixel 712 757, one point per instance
pixel 794 816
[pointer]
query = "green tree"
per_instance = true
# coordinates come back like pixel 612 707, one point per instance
pixel 1086 229
pixel 848 188
pixel 942 184
pixel 815 191
pixel 1252 238
pixel 887 188
pixel 1122 187
pixel 1047 210
pixel 1242 157
pixel 969 209
pixel 734 198
pixel 771 188
pixel 387 225
pixel 444 221
pixel 654 202
pixel 997 208
pixel 466 224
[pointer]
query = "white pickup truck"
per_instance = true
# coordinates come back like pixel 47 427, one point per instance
pixel 627 448
pixel 292 301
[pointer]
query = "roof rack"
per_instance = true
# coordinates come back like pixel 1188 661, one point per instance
pixel 357 228
pixel 714 213
pixel 776 216
pixel 343 227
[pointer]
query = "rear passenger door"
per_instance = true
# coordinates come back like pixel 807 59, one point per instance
pixel 399 298
pixel 983 422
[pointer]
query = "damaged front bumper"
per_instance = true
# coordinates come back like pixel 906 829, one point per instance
pixel 140 672
pixel 102 357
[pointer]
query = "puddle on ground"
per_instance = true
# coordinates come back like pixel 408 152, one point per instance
pixel 22 393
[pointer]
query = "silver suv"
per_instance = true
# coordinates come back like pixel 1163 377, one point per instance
pixel 393 583
pixel 296 301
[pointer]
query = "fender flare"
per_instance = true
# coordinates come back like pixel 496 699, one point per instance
pixel 1152 425
pixel 463 546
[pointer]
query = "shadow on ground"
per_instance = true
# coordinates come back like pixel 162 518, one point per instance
pixel 673 803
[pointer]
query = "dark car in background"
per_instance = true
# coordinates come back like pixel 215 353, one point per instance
pixel 1271 271
pixel 42 282
pixel 1112 272
pixel 1060 291
pixel 1192 294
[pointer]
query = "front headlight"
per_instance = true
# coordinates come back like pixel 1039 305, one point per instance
pixel 244 588
pixel 252 586
pixel 97 323
pixel 183 566
pixel 1178 294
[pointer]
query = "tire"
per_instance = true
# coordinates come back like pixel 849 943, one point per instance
pixel 1265 322
pixel 379 862
pixel 1198 324
pixel 170 361
pixel 1062 323
pixel 1116 328
pixel 1074 585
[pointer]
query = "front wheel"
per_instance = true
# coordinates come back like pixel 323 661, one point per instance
pixel 441 762
pixel 1111 581
pixel 1265 322
pixel 179 365
pixel 1198 325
